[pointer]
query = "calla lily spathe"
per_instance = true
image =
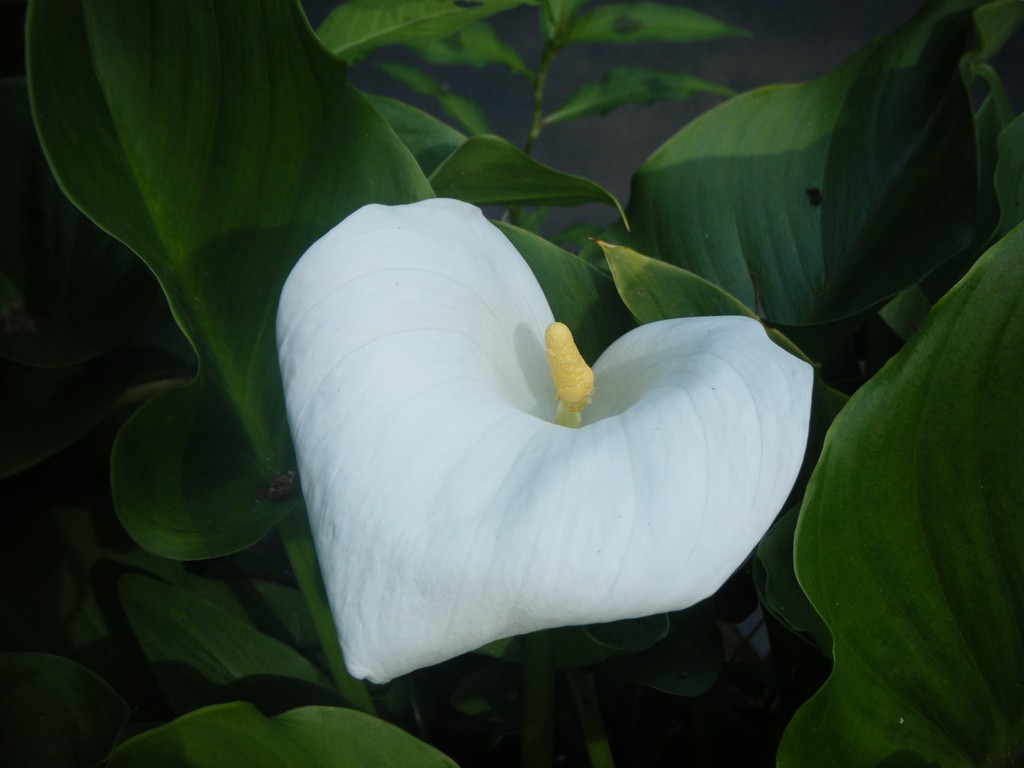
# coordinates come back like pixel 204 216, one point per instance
pixel 448 509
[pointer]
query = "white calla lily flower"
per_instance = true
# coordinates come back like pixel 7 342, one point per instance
pixel 447 506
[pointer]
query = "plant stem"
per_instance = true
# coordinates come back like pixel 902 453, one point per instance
pixel 538 700
pixel 298 545
pixel 584 696
pixel 537 120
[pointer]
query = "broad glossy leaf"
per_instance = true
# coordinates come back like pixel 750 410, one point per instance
pixel 238 736
pixel 429 140
pixel 203 655
pixel 356 27
pixel 476 45
pixel 819 201
pixel 909 544
pixel 580 296
pixel 636 22
pixel 627 85
pixel 487 170
pixel 466 112
pixel 54 712
pixel 656 290
pixel 217 141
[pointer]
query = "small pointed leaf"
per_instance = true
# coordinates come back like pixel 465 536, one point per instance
pixel 627 85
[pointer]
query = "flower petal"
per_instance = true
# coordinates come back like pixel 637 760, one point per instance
pixel 448 511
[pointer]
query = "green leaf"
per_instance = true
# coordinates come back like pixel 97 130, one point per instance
pixel 1009 176
pixel 777 585
pixel 580 296
pixel 71 301
pixel 995 22
pixel 358 26
pixel 909 544
pixel 238 736
pixel 466 112
pixel 44 410
pixel 59 567
pixel 429 140
pixel 630 634
pixel 273 609
pixel 555 15
pixel 906 312
pixel 686 663
pixel 202 655
pixel 636 22
pixel 477 46
pixel 68 292
pixel 218 141
pixel 491 693
pixel 487 170
pixel 655 290
pixel 627 85
pixel 817 202
pixel 55 712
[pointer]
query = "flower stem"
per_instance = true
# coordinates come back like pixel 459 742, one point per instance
pixel 584 696
pixel 298 545
pixel 538 700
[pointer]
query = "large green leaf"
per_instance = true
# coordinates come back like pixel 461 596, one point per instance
pixel 487 170
pixel 54 712
pixel 356 27
pixel 818 201
pixel 635 22
pixel 909 544
pixel 217 140
pixel 238 736
pixel 628 85
pixel 202 655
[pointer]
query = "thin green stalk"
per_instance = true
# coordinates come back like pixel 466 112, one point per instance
pixel 584 696
pixel 298 545
pixel 537 119
pixel 538 700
